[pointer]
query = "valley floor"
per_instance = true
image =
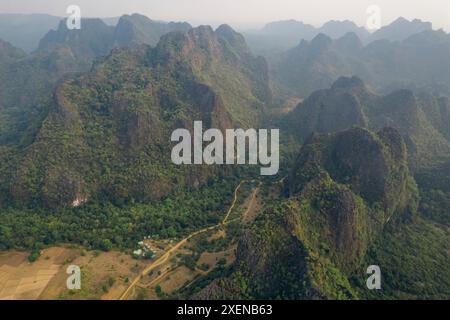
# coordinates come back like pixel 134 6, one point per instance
pixel 116 275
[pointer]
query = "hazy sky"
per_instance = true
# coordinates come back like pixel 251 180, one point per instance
pixel 244 13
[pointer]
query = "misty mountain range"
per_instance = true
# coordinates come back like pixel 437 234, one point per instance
pixel 86 117
pixel 25 31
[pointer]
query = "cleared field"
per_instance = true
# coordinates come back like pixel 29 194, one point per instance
pixel 211 258
pixel 177 279
pixel 104 275
pixel 22 280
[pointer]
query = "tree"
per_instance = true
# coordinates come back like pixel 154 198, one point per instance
pixel 106 245
pixel 34 256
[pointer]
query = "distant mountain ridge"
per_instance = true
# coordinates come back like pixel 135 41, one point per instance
pixel 25 30
pixel 96 38
pixel 283 35
pixel 416 62
pixel 401 29
pixel 138 29
pixel 350 103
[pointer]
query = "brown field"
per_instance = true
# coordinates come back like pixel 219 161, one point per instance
pixel 20 279
pixel 176 279
pixel 103 275
pixel 211 258
pixel 115 275
pixel 173 278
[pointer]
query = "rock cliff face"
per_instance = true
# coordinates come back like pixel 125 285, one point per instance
pixel 343 190
pixel 108 133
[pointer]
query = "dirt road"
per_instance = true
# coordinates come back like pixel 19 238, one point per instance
pixel 161 260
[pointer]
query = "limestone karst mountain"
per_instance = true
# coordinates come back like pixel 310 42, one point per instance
pixel 350 102
pixel 108 132
pixel 343 189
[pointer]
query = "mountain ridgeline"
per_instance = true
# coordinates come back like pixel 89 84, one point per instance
pixel 416 63
pixel 25 31
pixel 280 36
pixel 96 38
